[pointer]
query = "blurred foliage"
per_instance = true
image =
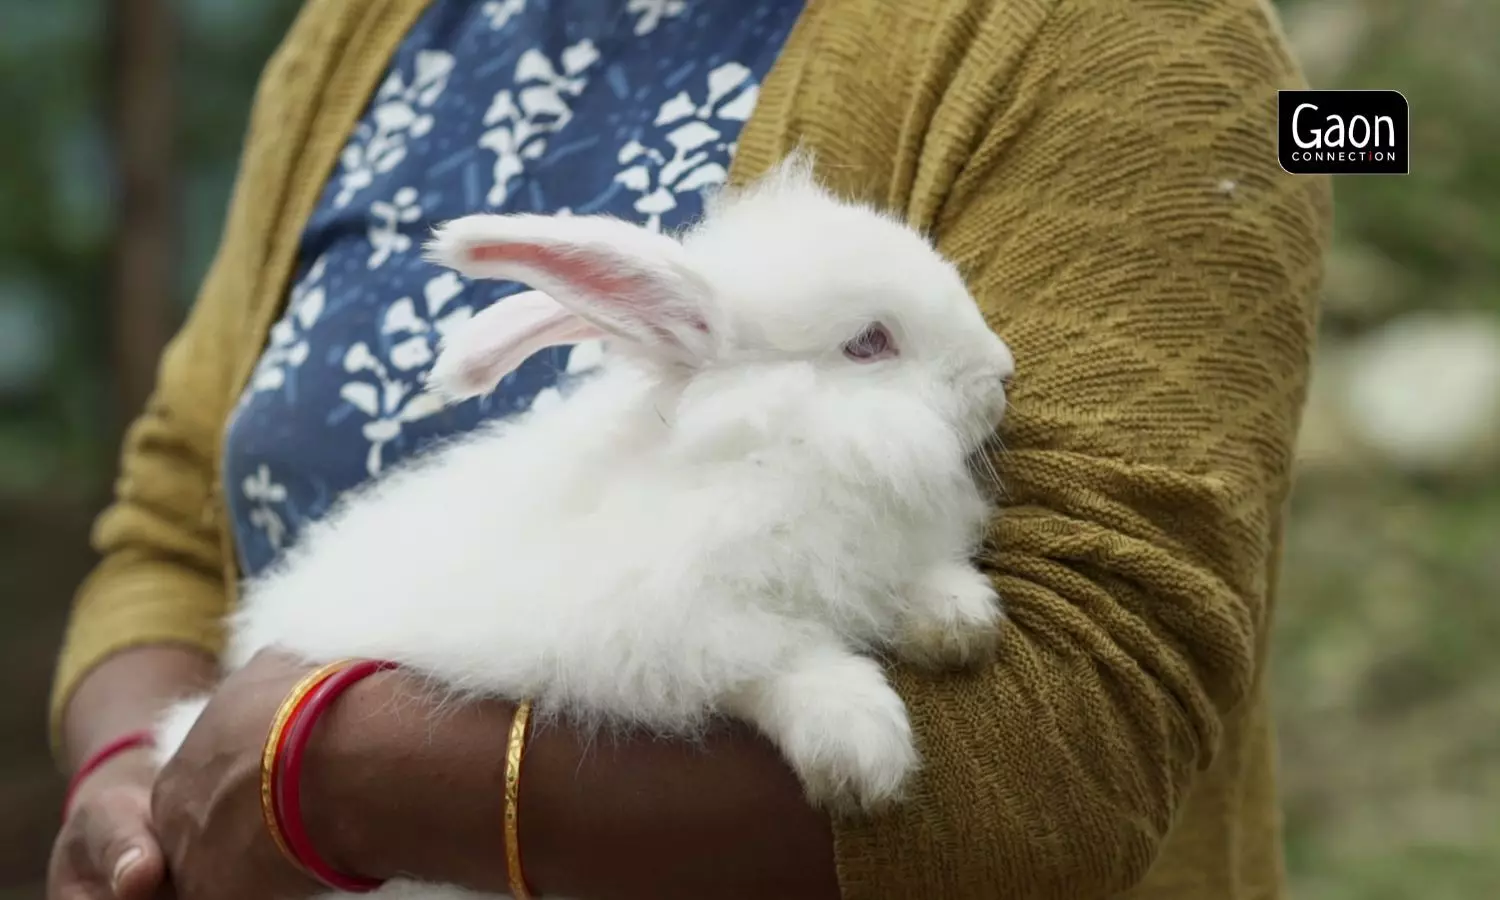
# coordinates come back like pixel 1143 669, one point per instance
pixel 56 212
pixel 1386 694
pixel 1437 229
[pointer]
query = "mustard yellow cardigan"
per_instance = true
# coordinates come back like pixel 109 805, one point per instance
pixel 1104 172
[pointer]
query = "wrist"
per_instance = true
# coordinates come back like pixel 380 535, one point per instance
pixel 127 691
pixel 126 758
pixel 398 783
pixel 130 770
pixel 340 780
pixel 285 751
pixel 395 785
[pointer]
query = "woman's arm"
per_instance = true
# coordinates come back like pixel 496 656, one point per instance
pixel 107 842
pixel 620 819
pixel 1124 222
pixel 144 628
pixel 143 632
pixel 396 785
pixel 127 692
pixel 145 625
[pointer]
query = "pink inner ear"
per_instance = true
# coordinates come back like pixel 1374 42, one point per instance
pixel 499 338
pixel 639 295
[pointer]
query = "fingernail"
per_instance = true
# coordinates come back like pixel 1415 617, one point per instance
pixel 122 865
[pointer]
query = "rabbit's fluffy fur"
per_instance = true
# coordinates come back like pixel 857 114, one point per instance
pixel 730 517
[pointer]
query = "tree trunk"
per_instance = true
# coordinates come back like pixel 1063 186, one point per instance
pixel 142 109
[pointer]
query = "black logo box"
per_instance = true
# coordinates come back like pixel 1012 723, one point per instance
pixel 1343 132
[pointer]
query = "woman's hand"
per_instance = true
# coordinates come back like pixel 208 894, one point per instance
pixel 206 801
pixel 106 848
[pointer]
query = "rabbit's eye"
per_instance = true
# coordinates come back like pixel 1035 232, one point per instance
pixel 871 344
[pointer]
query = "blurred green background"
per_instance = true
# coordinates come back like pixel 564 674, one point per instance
pixel 1387 688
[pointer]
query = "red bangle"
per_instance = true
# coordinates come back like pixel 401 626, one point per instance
pixel 288 789
pixel 130 741
pixel 270 760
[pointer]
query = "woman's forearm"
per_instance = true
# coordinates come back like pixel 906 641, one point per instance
pixel 128 691
pixel 620 819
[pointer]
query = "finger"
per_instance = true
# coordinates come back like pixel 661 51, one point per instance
pixel 140 876
pixel 119 845
pixel 73 888
pixel 65 880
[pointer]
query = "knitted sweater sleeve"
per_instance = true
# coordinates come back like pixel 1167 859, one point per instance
pixel 1127 228
pixel 159 579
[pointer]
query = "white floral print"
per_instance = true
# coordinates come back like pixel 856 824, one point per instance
pixel 264 495
pixel 520 120
pixel 693 132
pixel 386 386
pixel 399 113
pixel 287 346
pixel 386 220
pixel 651 13
pixel 500 12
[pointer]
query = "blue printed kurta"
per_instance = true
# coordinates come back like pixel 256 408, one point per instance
pixel 626 107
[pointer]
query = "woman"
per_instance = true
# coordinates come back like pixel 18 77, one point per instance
pixel 1105 175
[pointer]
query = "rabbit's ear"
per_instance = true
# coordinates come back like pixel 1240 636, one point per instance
pixel 497 339
pixel 635 284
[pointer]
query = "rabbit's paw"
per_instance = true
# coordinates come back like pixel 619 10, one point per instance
pixel 842 728
pixel 954 619
pixel 854 759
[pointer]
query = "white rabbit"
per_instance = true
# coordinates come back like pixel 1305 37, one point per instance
pixel 765 481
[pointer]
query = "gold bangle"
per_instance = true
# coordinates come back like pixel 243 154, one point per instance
pixel 513 752
pixel 269 756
